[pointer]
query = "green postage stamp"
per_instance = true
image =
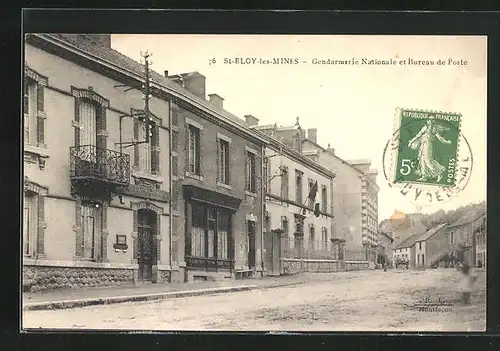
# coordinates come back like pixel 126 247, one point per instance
pixel 426 148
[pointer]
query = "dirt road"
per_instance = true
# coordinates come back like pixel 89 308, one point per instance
pixel 396 300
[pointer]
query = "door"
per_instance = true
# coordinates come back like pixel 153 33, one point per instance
pixel 146 234
pixel 251 244
pixel 273 246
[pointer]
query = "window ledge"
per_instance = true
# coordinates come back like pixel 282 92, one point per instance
pixel 249 193
pixel 194 176
pixel 38 150
pixel 153 177
pixel 223 185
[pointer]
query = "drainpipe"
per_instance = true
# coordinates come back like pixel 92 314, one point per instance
pixel 170 215
pixel 263 206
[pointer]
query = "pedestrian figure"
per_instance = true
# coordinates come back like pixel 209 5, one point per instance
pixel 466 283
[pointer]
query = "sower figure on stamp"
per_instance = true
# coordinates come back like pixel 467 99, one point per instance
pixel 429 167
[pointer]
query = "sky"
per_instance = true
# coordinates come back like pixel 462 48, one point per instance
pixel 352 106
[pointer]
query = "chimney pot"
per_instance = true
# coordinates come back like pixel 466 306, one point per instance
pixel 312 134
pixel 216 100
pixel 251 120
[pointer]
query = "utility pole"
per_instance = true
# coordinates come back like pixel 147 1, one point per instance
pixel 144 116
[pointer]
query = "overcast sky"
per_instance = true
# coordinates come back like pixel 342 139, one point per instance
pixel 351 105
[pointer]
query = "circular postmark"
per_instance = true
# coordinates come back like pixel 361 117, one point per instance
pixel 428 159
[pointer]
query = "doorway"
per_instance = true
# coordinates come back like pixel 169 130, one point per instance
pixel 251 244
pixel 146 239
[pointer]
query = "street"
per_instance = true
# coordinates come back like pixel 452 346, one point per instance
pixel 345 301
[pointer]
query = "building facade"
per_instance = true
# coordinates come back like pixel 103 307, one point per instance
pixel 461 237
pixel 430 246
pixel 481 246
pixel 297 187
pixel 100 205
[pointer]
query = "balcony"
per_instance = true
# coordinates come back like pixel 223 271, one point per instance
pixel 95 171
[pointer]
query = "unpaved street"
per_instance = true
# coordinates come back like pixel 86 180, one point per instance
pixel 347 301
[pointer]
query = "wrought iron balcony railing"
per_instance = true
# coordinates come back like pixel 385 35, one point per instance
pixel 89 162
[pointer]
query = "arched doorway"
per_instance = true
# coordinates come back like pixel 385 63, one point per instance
pixel 146 235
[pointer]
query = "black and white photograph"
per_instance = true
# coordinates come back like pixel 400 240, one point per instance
pixel 213 182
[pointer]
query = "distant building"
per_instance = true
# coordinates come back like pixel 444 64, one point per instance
pixel 398 225
pixel 461 238
pixel 480 234
pixel 406 249
pixel 355 196
pixel 430 246
pixel 386 246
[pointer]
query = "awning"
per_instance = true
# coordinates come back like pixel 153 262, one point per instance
pixel 211 197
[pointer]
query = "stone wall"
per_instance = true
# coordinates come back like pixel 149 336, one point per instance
pixel 164 277
pixel 293 265
pixel 37 278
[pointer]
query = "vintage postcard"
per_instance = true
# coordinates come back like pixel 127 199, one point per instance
pixel 254 182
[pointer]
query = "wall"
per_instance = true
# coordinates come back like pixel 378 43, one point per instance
pixel 251 204
pixel 292 266
pixel 436 246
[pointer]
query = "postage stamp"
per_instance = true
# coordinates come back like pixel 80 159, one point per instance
pixel 428 155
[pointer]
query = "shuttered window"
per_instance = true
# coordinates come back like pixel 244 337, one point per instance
pixel 223 162
pixel 30 112
pixel 88 122
pixel 91 230
pixel 146 155
pixel 30 223
pixel 251 181
pixel 194 150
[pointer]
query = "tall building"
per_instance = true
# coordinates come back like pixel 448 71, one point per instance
pixel 128 182
pixel 355 205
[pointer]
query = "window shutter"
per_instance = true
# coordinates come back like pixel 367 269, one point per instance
pixel 104 232
pixel 227 164
pixel 136 147
pixel 155 151
pixel 217 162
pixel 101 127
pixel 175 169
pixel 186 147
pixel 175 114
pixel 246 172
pixel 40 249
pixel 40 127
pixel 79 229
pixel 77 120
pixel 200 152
pixel 135 224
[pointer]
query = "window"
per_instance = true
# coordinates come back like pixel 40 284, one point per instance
pixel 309 200
pixel 30 111
pixel 423 259
pixel 91 229
pixel 420 245
pixel 210 232
pixel 298 186
pixel 223 162
pixel 284 182
pixel 175 140
pixel 194 160
pixel 312 238
pixel 284 226
pixel 30 223
pixel 88 122
pixel 451 238
pixel 146 155
pixel 324 238
pixel 251 185
pixel 324 200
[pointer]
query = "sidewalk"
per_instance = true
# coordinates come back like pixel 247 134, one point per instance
pixel 61 299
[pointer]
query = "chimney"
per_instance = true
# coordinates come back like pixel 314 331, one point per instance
pixel 251 120
pixel 103 39
pixel 330 150
pixel 216 100
pixel 195 83
pixel 312 134
pixel 165 73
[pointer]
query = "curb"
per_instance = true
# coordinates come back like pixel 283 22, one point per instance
pixel 66 304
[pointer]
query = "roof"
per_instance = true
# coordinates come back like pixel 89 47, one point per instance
pixel 104 53
pixel 412 234
pixel 468 218
pixel 431 232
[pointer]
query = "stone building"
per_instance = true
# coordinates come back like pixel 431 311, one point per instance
pixel 462 238
pixel 97 206
pixel 480 235
pixel 290 178
pixel 355 191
